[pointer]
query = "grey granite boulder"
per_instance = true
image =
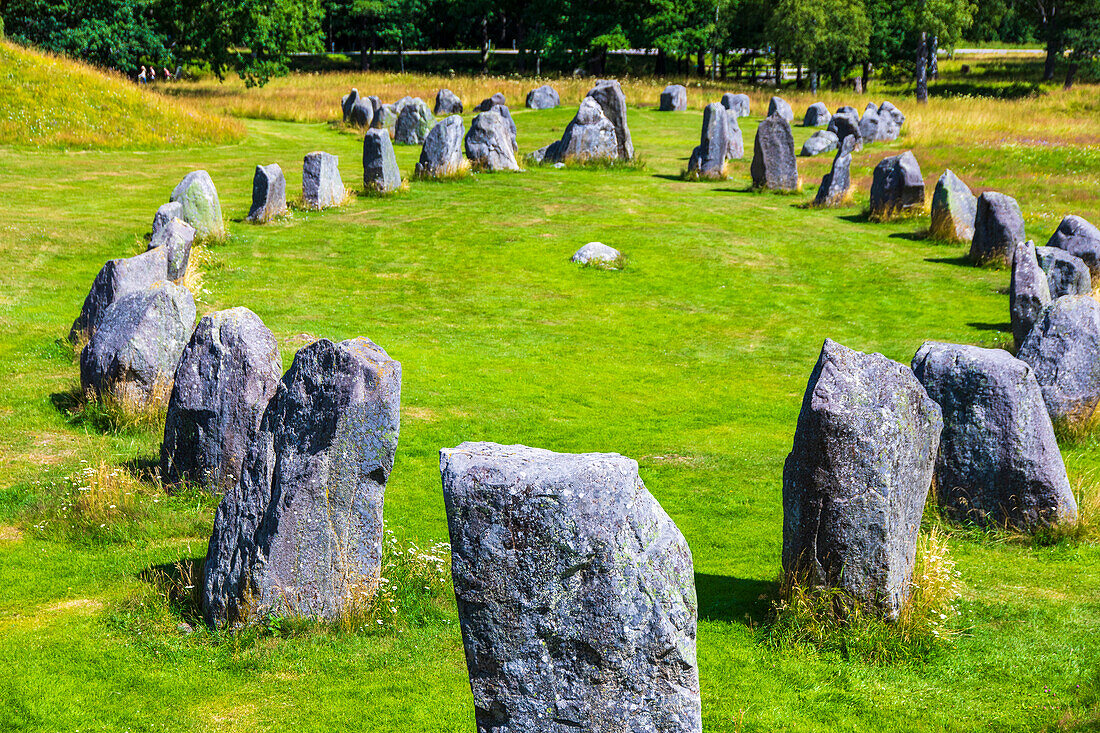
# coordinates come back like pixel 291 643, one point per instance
pixel 166 213
pixel 301 533
pixel 738 104
pixel 773 163
pixel 835 185
pixel 596 253
pixel 322 186
pixel 877 126
pixel 820 142
pixel 817 115
pixel 176 238
pixel 844 124
pixel 953 209
pixel 897 188
pixel 442 153
pixel 998 228
pixel 888 108
pixel 362 113
pixel 708 160
pixel 609 95
pixel 575 591
pixel 1081 239
pixel 735 140
pixel 544 97
pixel 115 279
pixel 781 107
pixel 199 204
pixel 347 102
pixel 489 143
pixel 857 477
pixel 998 461
pixel 133 354
pixel 386 119
pixel 589 137
pixel 1064 350
pixel 413 123
pixel 376 114
pixel 380 171
pixel 268 194
pixel 1066 274
pixel 674 98
pixel 402 103
pixel 847 109
pixel 506 115
pixel 871 108
pixel 227 374
pixel 447 103
pixel 1028 291
pixel 489 102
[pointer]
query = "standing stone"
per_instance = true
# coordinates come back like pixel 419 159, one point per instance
pixel 834 187
pixel 590 136
pixel 998 461
pixel 847 110
pixel 612 101
pixel 442 153
pixel 378 117
pixel 897 187
pixel 998 228
pixel 199 204
pixel 736 103
pixel 402 103
pixel 489 144
pixel 953 209
pixel 447 103
pixel 1064 350
pixel 115 279
pixel 1066 274
pixel 268 194
pixel 1028 292
pixel 301 533
pixel 506 115
pixel 386 118
pixel 895 114
pixel 227 374
pixel 322 186
pixel 362 113
pixel 781 107
pixel 544 97
pixel 844 124
pixel 413 123
pixel 133 354
pixel 1081 239
pixel 817 115
pixel 674 98
pixel 348 102
pixel 871 108
pixel 820 142
pixel 735 140
pixel 490 102
pixel 855 482
pixel 773 163
pixel 575 591
pixel 708 160
pixel 380 171
pixel 176 239
pixel 166 213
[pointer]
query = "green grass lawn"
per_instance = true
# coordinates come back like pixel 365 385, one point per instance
pixel 692 360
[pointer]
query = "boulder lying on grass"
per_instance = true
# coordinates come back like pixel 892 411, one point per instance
pixel 268 194
pixel 998 228
pixel 301 533
pixel 835 185
pixel 176 238
pixel 166 213
pixel 597 253
pixel 1081 239
pixel 612 102
pixel 115 279
pixel 708 159
pixel 998 461
pixel 773 163
pixel 1064 350
pixel 489 143
pixel 380 171
pixel 844 124
pixel 489 102
pixel 442 153
pixel 897 188
pixel 447 103
pixel 817 115
pixel 413 123
pixel 575 591
pixel 1066 274
pixel 199 204
pixel 133 354
pixel 228 373
pixel 674 98
pixel 953 209
pixel 509 123
pixel 738 104
pixel 855 482
pixel 1028 292
pixel 322 186
pixel 781 107
pixel 820 142
pixel 544 97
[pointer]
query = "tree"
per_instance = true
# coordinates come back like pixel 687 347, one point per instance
pixel 946 20
pixel 1082 36
pixel 1048 15
pixel 828 36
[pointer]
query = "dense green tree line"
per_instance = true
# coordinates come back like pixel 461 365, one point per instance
pixel 827 40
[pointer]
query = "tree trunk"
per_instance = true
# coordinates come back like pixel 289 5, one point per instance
pixel 813 80
pixel 922 67
pixel 1053 49
pixel 798 76
pixel 934 58
pixel 701 63
pixel 659 64
pixel 835 83
pixel 722 67
pixel 1071 74
pixel 866 76
pixel 401 53
pixel 778 70
pixel 364 59
pixel 521 38
pixel 485 43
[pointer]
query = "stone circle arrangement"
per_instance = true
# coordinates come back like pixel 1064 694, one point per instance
pixel 575 589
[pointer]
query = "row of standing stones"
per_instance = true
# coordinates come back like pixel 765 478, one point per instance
pixel 303 459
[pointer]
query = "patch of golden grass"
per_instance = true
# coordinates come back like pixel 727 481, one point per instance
pixel 10 534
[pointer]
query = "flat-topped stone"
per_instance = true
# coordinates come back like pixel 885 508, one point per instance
pixel 322 186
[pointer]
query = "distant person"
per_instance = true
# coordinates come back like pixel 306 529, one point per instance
pixel 141 76
pixel 179 69
pixel 167 74
pixel 152 73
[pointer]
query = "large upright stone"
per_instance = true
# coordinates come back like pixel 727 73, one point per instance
pixel 413 123
pixel 268 194
pixel 1064 350
pixel 738 104
pixel 953 209
pixel 708 160
pixel 380 171
pixel 855 482
pixel 227 374
pixel 447 103
pixel 735 140
pixel 376 111
pixel 386 119
pixel 817 115
pixel 544 97
pixel 199 204
pixel 1081 239
pixel 442 153
pixel 301 533
pixel 998 228
pixel 1066 274
pixel 1028 291
pixel 674 98
pixel 506 115
pixel 888 108
pixel 575 592
pixel 166 213
pixel 612 101
pixel 781 107
pixel 998 461
pixel 897 188
pixel 176 238
pixel 820 142
pixel 589 137
pixel 834 187
pixel 773 163
pixel 115 279
pixel 322 186
pixel 844 124
pixel 133 354
pixel 362 113
pixel 489 143
pixel 347 102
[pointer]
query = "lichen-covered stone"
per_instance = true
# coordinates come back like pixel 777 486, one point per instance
pixel 897 188
pixel 322 186
pixel 845 123
pixel 953 209
pixel 998 228
pixel 1081 239
pixel 596 253
pixel 176 238
pixel 166 213
pixel 489 143
pixel 1066 274
pixel 738 104
pixel 442 153
pixel 834 187
pixel 1028 291
pixel 115 279
pixel 489 102
pixel 347 102
pixel 817 115
pixel 362 113
pixel 781 107
pixel 268 194
pixel 735 140
pixel 575 592
pixel 820 142
pixel 1064 350
pixel 544 97
pixel 674 98
pixel 447 103
pixel 199 204
pixel 612 101
pixel 380 171
pixel 708 160
pixel 590 136
pixel 413 123
pixel 773 162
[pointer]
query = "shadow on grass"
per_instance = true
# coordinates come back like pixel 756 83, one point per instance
pixel 144 469
pixel 999 327
pixel 179 584
pixel 741 600
pixel 668 177
pixel 911 236
pixel 1015 90
pixel 961 260
pixel 746 189
pixel 67 403
pixel 861 218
